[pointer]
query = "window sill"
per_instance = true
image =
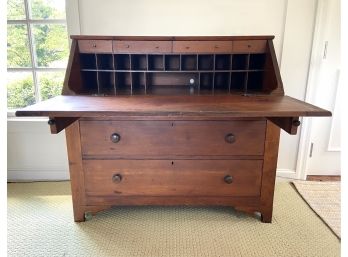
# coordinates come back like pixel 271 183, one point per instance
pixel 11 116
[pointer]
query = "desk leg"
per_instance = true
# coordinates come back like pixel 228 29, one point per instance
pixel 269 171
pixel 73 143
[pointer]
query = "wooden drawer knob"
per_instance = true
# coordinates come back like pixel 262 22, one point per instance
pixel 115 138
pixel 51 122
pixel 230 138
pixel 296 123
pixel 228 179
pixel 116 178
pixel 94 45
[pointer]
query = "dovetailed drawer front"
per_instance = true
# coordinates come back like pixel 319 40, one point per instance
pixel 95 46
pixel 142 46
pixel 249 46
pixel 202 46
pixel 172 177
pixel 124 139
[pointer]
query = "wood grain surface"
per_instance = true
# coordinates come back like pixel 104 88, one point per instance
pixel 173 178
pixel 231 105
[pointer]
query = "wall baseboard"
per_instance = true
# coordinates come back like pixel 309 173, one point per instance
pixel 31 175
pixel 287 173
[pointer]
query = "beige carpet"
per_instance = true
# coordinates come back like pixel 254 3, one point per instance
pixel 40 223
pixel 325 199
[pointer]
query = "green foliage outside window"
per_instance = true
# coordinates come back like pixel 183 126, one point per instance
pixel 51 84
pixel 18 54
pixel 51 50
pixel 20 93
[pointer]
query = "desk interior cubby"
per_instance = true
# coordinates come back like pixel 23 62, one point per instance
pixel 139 62
pixel 156 62
pixel 206 62
pixel 188 62
pixel 127 74
pixel 172 62
pixel 223 62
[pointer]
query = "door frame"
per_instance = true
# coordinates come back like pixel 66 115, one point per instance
pixel 314 71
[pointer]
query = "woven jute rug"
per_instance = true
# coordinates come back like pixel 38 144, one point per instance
pixel 325 199
pixel 40 223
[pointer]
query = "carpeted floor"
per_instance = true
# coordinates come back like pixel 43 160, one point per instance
pixel 40 223
pixel 325 199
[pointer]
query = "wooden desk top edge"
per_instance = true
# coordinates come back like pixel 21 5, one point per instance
pixel 150 105
pixel 175 38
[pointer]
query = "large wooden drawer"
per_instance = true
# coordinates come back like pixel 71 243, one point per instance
pixel 142 46
pixel 202 46
pixel 110 178
pixel 95 46
pixel 172 138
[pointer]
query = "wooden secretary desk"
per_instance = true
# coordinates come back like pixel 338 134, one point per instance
pixel 172 121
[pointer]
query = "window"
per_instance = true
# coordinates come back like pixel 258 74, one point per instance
pixel 37 50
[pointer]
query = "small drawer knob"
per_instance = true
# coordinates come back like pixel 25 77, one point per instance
pixel 228 179
pixel 187 47
pixel 115 138
pixel 51 122
pixel 94 45
pixel 216 47
pixel 116 178
pixel 127 46
pixel 230 138
pixel 296 123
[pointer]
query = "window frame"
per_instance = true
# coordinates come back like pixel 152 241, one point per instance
pixel 34 69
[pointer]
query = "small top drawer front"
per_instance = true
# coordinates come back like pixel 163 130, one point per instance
pixel 127 139
pixel 202 46
pixel 95 46
pixel 249 46
pixel 142 46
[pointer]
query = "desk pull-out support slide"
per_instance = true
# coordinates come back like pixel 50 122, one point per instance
pixel 289 124
pixel 57 124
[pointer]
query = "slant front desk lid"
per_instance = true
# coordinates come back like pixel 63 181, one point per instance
pixel 224 106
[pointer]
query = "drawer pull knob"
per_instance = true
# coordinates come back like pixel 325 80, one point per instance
pixel 230 138
pixel 115 138
pixel 228 179
pixel 296 123
pixel 51 122
pixel 216 47
pixel 127 46
pixel 187 47
pixel 116 178
pixel 94 45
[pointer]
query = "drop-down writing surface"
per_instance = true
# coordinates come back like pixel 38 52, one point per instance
pixel 229 106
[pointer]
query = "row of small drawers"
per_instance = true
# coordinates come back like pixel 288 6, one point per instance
pixel 118 46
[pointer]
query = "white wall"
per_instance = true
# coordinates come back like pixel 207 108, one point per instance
pixel 33 153
pixel 290 21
